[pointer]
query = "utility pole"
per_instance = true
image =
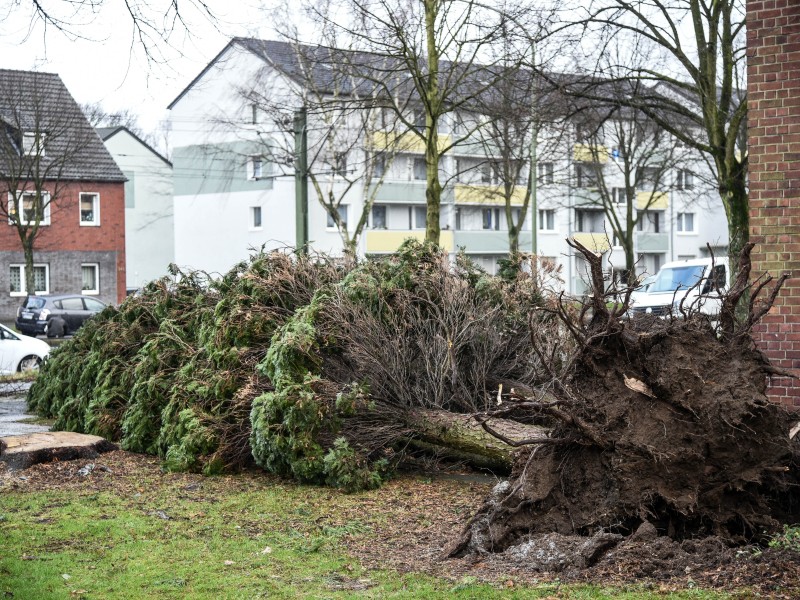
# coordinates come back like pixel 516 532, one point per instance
pixel 534 142
pixel 301 180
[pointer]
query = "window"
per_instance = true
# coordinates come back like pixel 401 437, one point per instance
pixel 619 196
pixel 378 166
pixel 41 280
pixel 491 218
pixel 589 221
pixel 684 180
pixel 647 178
pixel 545 172
pixel 379 216
pixel 587 174
pixel 521 173
pixel 93 305
pixel 458 218
pixel 717 281
pixel 486 172
pixel 33 144
pixel 90 279
pixel 256 167
pixel 649 222
pixel 339 166
pixel 35 207
pixel 90 208
pixel 685 223
pixel 342 210
pixel 254 114
pixel 547 219
pixel 255 217
pixel 419 119
pixel 417 217
pixel 589 132
pixel 516 213
pixel 420 169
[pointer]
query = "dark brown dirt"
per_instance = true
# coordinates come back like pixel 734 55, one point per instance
pixel 671 428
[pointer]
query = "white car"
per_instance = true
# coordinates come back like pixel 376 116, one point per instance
pixel 641 289
pixel 696 285
pixel 20 352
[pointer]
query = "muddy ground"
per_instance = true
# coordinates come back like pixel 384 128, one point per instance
pixel 412 522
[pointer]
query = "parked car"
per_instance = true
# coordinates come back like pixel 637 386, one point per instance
pixel 19 352
pixel 641 289
pixel 55 316
pixel 691 285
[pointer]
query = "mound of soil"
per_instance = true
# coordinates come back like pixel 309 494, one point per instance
pixel 668 428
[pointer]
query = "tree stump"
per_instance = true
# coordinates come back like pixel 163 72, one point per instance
pixel 23 451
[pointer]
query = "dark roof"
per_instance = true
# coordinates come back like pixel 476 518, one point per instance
pixel 304 63
pixel 39 103
pixel 345 71
pixel 107 133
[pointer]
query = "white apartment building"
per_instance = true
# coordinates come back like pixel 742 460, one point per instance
pixel 234 194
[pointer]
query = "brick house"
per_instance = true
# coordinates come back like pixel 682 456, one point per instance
pixel 773 75
pixel 59 184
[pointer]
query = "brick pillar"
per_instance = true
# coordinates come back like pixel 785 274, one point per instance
pixel 773 96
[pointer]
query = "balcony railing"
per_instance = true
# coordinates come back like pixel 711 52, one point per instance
pixel 387 241
pixel 487 194
pixel 596 242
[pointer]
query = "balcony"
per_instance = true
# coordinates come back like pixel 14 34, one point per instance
pixel 400 192
pixel 388 241
pixel 652 243
pixel 487 194
pixel 652 200
pixel 489 241
pixel 587 196
pixel 589 153
pixel 596 242
pixel 406 142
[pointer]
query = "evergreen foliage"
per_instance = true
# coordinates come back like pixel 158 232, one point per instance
pixel 310 367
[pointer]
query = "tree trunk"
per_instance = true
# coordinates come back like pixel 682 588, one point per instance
pixel 433 191
pixel 462 437
pixel 27 248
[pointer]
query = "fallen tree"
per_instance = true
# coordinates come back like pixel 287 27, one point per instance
pixel 656 423
pixel 321 370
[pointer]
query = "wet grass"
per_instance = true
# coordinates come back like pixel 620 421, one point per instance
pixel 170 536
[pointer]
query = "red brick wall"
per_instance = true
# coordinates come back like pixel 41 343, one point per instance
pixel 773 72
pixel 66 233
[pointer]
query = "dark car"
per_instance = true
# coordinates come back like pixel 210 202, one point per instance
pixel 55 316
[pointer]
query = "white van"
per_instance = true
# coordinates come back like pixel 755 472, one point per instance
pixel 695 285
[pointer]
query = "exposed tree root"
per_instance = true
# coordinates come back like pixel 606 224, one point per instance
pixel 661 422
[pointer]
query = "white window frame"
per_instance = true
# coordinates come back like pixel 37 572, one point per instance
pixel 680 224
pixel 96 221
pixel 541 224
pixel 12 210
pixel 545 173
pixel 33 143
pixel 252 214
pixel 684 179
pixel 413 222
pixel 330 224
pixel 96 290
pixel 385 216
pixel 255 168
pixel 23 291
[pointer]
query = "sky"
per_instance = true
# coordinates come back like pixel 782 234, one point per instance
pixel 101 60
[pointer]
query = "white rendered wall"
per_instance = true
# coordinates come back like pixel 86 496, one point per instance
pixel 149 238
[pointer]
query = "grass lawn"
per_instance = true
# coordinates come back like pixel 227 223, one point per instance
pixel 127 530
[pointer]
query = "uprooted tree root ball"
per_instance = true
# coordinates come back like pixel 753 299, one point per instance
pixel 659 426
